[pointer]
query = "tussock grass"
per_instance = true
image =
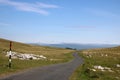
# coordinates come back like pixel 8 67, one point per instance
pixel 107 57
pixel 58 55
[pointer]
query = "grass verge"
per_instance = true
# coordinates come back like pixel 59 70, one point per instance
pixel 106 58
pixel 21 65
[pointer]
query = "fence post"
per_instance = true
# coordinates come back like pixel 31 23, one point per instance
pixel 10 55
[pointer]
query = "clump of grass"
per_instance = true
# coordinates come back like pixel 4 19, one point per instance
pixel 108 57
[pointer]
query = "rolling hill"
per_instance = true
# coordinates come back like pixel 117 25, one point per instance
pixel 34 49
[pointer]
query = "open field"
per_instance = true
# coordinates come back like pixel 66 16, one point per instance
pixel 99 64
pixel 54 55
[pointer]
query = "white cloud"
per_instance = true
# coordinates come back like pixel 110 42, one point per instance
pixel 23 6
pixel 103 13
pixel 42 5
pixel 82 27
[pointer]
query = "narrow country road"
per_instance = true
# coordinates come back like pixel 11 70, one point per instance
pixel 53 72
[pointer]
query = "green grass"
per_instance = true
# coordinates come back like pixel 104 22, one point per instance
pixel 108 57
pixel 58 54
pixel 18 65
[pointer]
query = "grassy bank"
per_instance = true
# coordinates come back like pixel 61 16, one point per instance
pixel 58 55
pixel 100 64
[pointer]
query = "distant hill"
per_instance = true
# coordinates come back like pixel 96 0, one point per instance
pixel 79 46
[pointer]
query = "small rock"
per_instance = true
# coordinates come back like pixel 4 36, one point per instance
pixel 117 65
pixel 93 70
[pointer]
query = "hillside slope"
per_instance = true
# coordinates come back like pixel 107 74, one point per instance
pixel 26 48
pixel 114 50
pixel 100 64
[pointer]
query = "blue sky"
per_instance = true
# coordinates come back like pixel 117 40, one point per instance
pixel 61 21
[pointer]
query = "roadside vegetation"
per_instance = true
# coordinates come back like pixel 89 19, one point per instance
pixel 99 64
pixel 54 55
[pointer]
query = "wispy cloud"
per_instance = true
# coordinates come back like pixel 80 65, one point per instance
pixel 37 7
pixel 3 24
pixel 82 27
pixel 103 13
pixel 43 5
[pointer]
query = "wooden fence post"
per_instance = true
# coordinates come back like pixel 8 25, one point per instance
pixel 10 55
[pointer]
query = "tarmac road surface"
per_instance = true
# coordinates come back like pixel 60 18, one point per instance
pixel 60 71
